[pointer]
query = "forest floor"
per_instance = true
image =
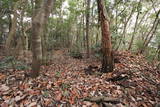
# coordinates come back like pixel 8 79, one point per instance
pixel 69 82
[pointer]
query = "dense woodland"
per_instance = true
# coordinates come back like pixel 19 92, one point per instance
pixel 80 53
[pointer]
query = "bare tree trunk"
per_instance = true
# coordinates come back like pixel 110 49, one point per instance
pixel 78 31
pixel 150 34
pixel 92 39
pixel 107 62
pixel 84 37
pixel 23 37
pixel 135 28
pixel 81 32
pixel 124 28
pixel 39 21
pixel 48 4
pixel 37 29
pixel 87 26
pixel 13 28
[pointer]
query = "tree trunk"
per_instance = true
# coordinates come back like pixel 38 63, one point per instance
pixel 78 31
pixel 37 22
pixel 84 37
pixel 87 26
pixel 24 38
pixel 13 28
pixel 135 28
pixel 124 28
pixel 40 16
pixel 151 32
pixel 47 10
pixel 107 62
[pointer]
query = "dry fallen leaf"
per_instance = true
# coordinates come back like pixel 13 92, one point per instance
pixel 17 98
pixel 2 76
pixel 95 105
pixel 4 104
pixel 32 104
pixel 48 86
pixel 47 101
pixel 4 88
pixel 34 92
pixel 58 96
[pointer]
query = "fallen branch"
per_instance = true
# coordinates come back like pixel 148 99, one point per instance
pixel 122 77
pixel 101 99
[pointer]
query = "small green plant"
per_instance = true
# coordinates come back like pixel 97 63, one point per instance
pixel 150 53
pixel 65 86
pixel 139 44
pixel 7 62
pixel 22 67
pixel 58 74
pixel 10 62
pixel 65 93
pixel 45 94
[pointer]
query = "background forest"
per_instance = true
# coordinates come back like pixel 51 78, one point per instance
pixel 36 35
pixel 134 26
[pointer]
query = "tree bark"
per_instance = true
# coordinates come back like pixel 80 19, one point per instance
pixel 37 30
pixel 39 21
pixel 107 61
pixel 13 28
pixel 87 26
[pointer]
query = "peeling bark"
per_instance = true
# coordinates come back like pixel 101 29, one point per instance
pixel 107 62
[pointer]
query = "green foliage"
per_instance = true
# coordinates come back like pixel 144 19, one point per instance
pixel 22 66
pixel 45 93
pixel 96 47
pixel 139 44
pixel 58 74
pixel 97 50
pixel 67 23
pixel 115 38
pixel 51 44
pixel 65 86
pixel 11 63
pixel 157 40
pixel 139 8
pixel 5 3
pixel 66 93
pixel 150 53
pixel 75 52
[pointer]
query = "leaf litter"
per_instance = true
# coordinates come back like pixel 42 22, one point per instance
pixel 68 82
